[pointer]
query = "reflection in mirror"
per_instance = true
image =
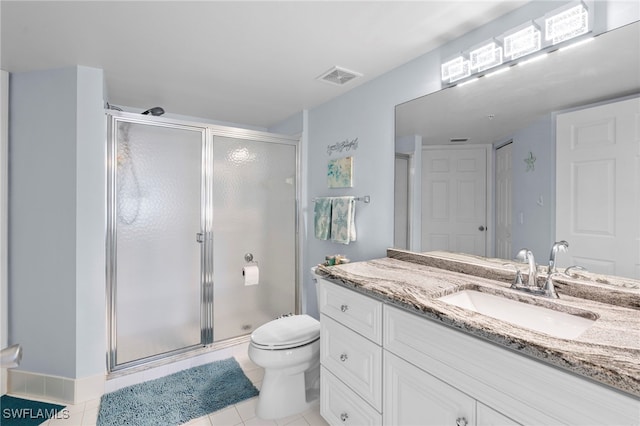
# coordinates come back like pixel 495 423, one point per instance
pixel 512 117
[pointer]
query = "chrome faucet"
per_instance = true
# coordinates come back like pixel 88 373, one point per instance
pixel 525 255
pixel 548 288
pixel 557 246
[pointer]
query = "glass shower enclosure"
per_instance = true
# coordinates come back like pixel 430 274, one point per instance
pixel 189 207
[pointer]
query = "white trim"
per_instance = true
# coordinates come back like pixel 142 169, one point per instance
pixel 54 388
pixel 490 247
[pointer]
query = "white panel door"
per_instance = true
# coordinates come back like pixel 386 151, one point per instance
pixel 454 191
pixel 503 202
pixel 597 187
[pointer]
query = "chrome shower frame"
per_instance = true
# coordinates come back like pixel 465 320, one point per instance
pixel 207 273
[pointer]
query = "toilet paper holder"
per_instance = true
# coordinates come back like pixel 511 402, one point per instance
pixel 250 271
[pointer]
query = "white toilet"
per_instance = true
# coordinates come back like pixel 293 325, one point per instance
pixel 288 349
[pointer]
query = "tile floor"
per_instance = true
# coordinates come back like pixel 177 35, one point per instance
pixel 242 413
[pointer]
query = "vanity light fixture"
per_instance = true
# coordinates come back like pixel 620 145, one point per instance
pixel 455 69
pixel 519 45
pixel 487 55
pixel 522 40
pixel 566 22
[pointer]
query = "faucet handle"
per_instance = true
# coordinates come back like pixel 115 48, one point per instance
pixel 577 267
pixel 517 281
pixel 549 287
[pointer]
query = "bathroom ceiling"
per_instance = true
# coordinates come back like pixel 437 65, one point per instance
pixel 252 63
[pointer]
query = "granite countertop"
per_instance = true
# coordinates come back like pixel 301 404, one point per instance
pixel 608 352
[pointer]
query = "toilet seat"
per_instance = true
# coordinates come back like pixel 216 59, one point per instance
pixel 286 333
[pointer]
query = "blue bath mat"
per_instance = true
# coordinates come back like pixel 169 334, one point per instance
pixel 24 412
pixel 178 398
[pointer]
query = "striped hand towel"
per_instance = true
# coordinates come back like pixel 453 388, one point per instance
pixel 322 218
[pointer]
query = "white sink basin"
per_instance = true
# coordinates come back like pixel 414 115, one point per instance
pixel 538 318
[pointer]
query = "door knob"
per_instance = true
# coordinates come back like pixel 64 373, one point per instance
pixel 461 421
pixel 481 228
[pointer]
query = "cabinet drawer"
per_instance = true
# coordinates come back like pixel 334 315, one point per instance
pixel 414 397
pixel 339 405
pixel 358 312
pixel 356 360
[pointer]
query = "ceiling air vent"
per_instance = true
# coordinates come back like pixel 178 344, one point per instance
pixel 459 140
pixel 339 76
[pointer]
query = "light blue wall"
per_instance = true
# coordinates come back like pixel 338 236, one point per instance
pixel 367 112
pixel 90 224
pixel 56 220
pixel 42 211
pixel 533 220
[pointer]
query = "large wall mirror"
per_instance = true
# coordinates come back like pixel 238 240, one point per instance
pixel 508 121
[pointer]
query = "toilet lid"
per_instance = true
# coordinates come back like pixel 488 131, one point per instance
pixel 287 332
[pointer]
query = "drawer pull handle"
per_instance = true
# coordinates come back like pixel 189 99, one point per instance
pixel 344 417
pixel 343 357
pixel 344 308
pixel 461 421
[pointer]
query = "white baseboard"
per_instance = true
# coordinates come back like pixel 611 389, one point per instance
pixel 54 388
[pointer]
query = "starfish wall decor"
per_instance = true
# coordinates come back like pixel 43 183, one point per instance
pixel 530 160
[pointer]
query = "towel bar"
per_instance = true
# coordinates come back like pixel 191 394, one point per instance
pixel 366 199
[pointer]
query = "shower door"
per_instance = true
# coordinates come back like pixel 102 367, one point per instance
pixel 254 214
pixel 188 208
pixel 155 241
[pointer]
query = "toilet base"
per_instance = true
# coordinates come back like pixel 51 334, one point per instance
pixel 281 396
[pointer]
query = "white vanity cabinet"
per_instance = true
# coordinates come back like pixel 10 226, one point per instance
pixel 384 365
pixel 350 356
pixel 508 388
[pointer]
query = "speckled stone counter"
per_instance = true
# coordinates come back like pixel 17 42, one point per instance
pixel 608 352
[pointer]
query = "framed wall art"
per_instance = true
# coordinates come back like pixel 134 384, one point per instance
pixel 340 173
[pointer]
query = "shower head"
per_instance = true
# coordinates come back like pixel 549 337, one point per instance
pixel 113 107
pixel 154 111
